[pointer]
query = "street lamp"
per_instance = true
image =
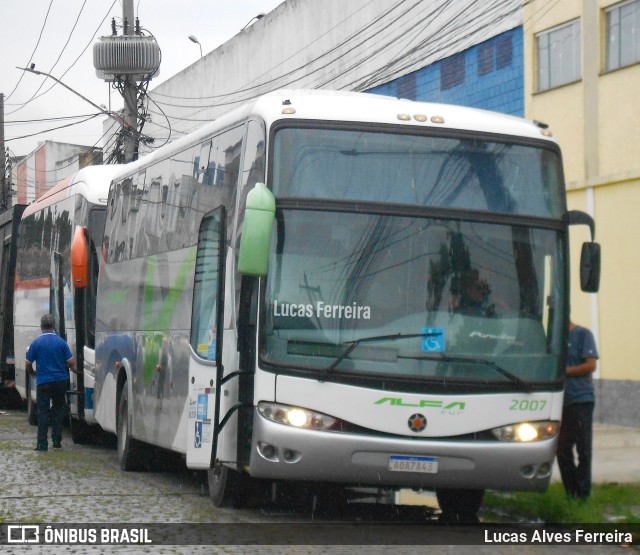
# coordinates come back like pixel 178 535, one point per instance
pixel 193 38
pixel 256 17
pixel 101 107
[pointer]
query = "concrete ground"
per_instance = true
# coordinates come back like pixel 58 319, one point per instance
pixel 616 459
pixel 616 455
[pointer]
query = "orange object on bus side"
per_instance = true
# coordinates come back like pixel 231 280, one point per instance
pixel 79 258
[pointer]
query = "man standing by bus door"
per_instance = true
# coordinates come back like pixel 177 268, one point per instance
pixel 52 358
pixel 577 413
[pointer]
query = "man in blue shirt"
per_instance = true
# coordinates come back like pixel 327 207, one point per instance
pixel 577 413
pixel 52 358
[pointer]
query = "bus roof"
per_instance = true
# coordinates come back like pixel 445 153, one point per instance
pixel 367 107
pixel 354 107
pixel 92 182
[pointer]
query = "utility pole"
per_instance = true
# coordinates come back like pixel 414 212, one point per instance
pixel 3 160
pixel 127 60
pixel 130 92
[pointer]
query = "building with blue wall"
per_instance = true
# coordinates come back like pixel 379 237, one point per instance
pixel 489 75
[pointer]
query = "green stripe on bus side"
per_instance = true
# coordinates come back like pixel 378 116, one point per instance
pixel 161 320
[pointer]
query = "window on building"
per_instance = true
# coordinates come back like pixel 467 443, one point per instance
pixel 495 54
pixel 559 55
pixel 452 71
pixel 407 87
pixel 622 34
pixel 504 51
pixel 485 58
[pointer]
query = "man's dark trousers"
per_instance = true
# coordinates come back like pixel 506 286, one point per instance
pixel 51 403
pixel 576 429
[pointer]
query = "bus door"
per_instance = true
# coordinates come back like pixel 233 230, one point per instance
pixel 84 276
pixel 207 322
pixel 56 294
pixel 8 235
pixel 7 360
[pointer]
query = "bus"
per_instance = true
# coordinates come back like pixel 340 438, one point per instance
pixel 68 216
pixel 341 288
pixel 9 220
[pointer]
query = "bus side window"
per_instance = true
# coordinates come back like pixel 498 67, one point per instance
pixel 253 170
pixel 206 287
pixel 201 162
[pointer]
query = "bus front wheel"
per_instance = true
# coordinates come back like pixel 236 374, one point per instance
pixel 129 450
pixel 459 505
pixel 226 486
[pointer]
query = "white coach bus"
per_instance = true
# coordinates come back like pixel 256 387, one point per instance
pixel 341 287
pixel 71 212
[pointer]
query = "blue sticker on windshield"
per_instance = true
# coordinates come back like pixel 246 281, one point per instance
pixel 433 341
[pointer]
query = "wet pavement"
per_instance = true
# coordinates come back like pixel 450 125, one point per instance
pixel 84 484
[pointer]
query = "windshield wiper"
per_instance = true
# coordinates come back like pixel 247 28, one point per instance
pixel 353 344
pixel 525 386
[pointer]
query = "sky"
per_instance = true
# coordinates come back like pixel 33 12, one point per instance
pixel 52 34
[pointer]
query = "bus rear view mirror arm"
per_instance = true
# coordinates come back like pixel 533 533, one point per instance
pixel 578 217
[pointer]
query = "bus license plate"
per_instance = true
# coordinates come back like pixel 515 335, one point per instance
pixel 407 463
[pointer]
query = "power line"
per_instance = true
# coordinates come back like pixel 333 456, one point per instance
pixel 306 47
pixel 39 120
pixel 426 48
pixel 52 129
pixel 46 17
pixel 433 44
pixel 415 34
pixel 96 156
pixel 367 56
pixel 61 52
pixel 304 67
pixel 447 34
pixel 416 31
pixel 73 63
pixel 277 82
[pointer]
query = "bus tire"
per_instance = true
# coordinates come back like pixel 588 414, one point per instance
pixel 129 450
pixel 81 432
pixel 459 505
pixel 32 409
pixel 226 486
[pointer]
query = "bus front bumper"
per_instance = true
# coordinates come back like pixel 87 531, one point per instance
pixel 284 452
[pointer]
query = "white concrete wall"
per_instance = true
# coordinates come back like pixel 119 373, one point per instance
pixel 334 44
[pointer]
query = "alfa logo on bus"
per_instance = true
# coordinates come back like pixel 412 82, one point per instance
pixel 423 403
pixel 417 422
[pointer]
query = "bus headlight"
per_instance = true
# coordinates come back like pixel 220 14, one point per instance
pixel 296 416
pixel 527 431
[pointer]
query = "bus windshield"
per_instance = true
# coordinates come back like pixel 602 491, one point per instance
pixel 444 288
pixel 414 296
pixel 417 170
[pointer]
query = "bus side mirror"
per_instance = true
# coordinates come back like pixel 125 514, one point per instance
pixel 79 259
pixel 255 242
pixel 590 255
pixel 590 267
